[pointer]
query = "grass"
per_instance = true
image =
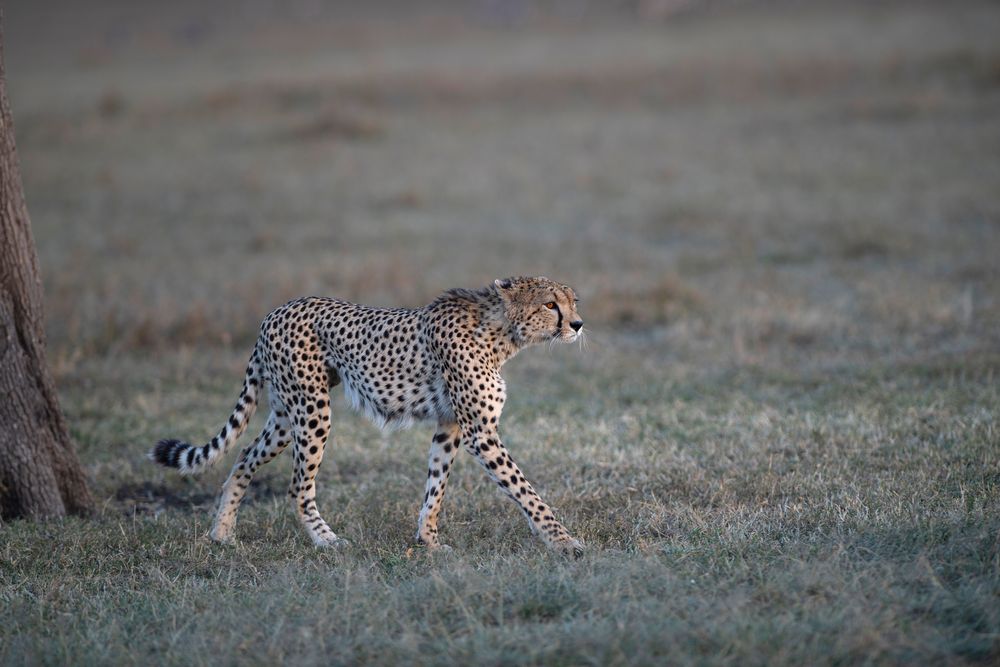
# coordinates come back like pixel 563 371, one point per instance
pixel 750 517
pixel 780 446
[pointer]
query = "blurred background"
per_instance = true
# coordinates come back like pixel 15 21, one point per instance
pixel 719 179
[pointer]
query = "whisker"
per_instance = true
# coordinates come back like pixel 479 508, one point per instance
pixel 590 339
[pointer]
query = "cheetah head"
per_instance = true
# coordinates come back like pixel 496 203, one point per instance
pixel 539 310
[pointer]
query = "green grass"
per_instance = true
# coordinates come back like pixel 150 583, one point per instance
pixel 780 445
pixel 749 518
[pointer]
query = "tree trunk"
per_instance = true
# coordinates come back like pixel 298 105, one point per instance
pixel 40 475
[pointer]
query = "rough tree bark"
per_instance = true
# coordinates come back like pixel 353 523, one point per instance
pixel 40 475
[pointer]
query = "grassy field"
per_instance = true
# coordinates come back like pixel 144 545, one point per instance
pixel 781 445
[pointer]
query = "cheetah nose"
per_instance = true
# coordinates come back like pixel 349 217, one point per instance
pixel 577 325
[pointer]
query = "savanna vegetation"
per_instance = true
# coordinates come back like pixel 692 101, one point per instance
pixel 781 443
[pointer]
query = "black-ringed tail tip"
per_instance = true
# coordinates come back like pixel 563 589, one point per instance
pixel 187 458
pixel 168 453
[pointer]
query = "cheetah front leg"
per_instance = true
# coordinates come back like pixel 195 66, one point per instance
pixel 444 446
pixel 485 445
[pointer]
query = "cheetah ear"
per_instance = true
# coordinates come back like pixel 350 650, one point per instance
pixel 504 290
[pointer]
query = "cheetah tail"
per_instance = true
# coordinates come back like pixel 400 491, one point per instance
pixel 192 459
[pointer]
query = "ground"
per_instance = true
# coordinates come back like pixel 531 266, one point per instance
pixel 780 446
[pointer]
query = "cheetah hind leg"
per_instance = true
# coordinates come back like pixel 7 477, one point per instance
pixel 311 423
pixel 271 442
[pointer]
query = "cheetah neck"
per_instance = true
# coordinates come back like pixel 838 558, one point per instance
pixel 493 327
pixel 497 329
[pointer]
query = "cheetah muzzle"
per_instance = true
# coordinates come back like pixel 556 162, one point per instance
pixel 441 362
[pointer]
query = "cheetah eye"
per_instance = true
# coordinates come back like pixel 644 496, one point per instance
pixel 551 305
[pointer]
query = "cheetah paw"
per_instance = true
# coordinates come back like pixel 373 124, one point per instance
pixel 568 547
pixel 433 547
pixel 221 538
pixel 331 542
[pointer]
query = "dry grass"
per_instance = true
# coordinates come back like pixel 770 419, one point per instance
pixel 780 444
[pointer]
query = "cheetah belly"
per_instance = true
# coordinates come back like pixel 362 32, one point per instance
pixel 387 366
pixel 398 398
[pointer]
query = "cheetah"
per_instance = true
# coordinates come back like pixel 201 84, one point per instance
pixel 441 362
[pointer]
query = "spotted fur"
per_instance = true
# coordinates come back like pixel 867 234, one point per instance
pixel 441 362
